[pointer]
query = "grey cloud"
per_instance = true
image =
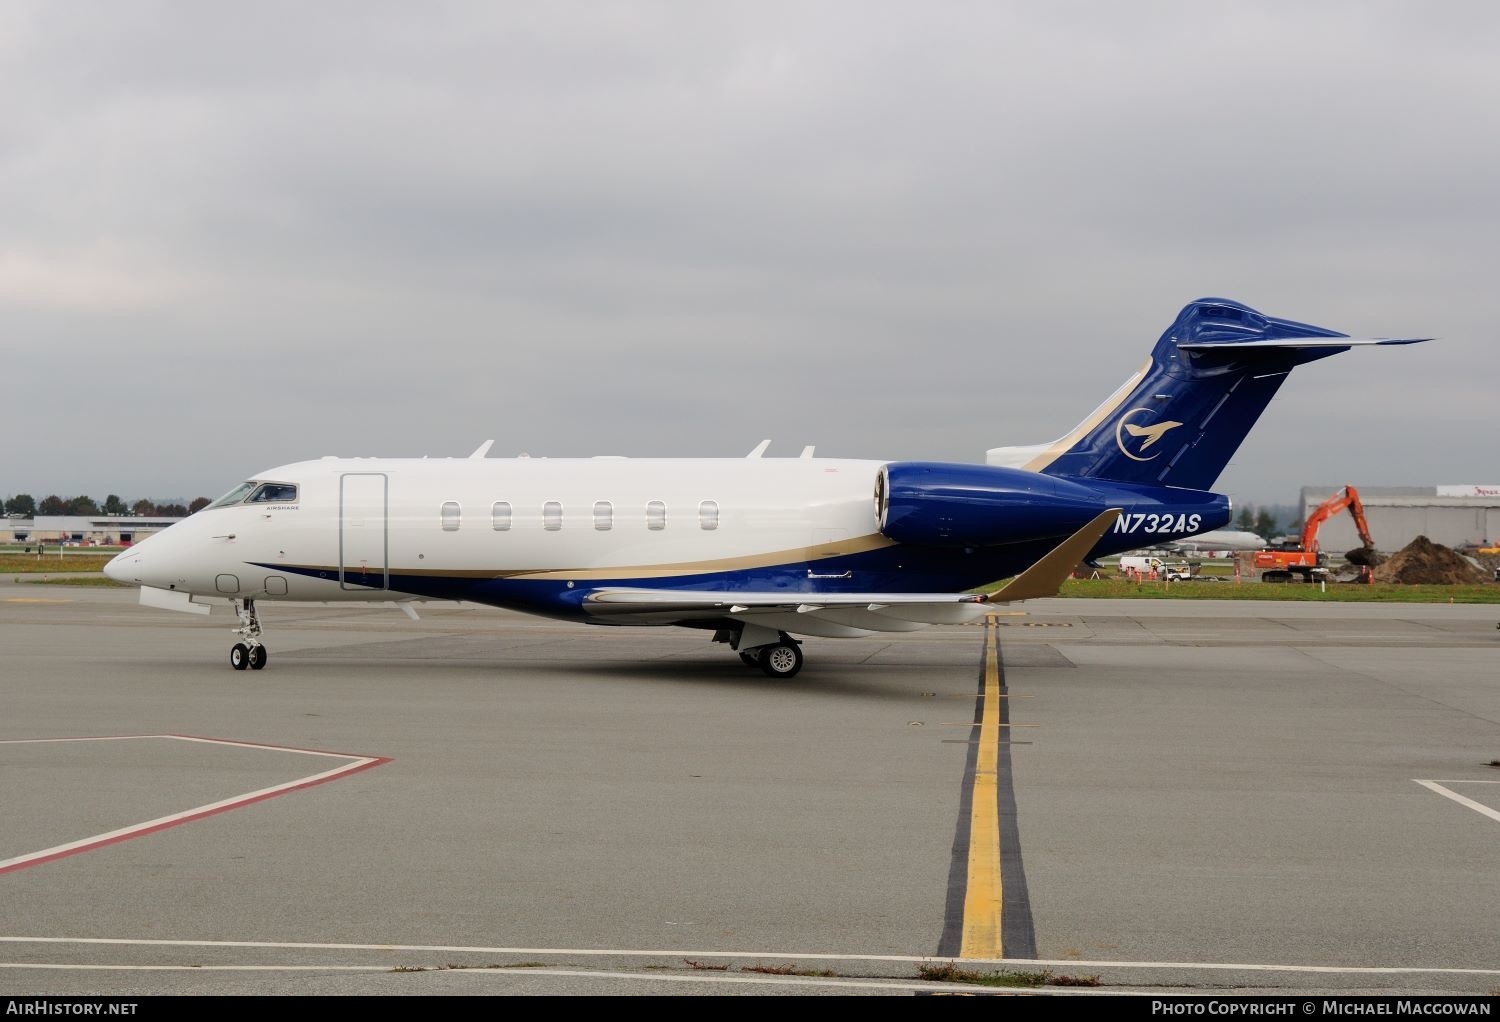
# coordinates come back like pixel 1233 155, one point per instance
pixel 895 230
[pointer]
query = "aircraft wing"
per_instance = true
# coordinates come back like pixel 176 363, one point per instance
pixel 844 615
pixel 836 615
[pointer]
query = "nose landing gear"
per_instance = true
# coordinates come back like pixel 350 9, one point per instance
pixel 249 653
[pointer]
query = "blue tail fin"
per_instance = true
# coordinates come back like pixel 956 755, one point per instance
pixel 1181 417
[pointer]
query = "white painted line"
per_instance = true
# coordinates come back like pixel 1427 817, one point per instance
pixel 355 764
pixel 1459 780
pixel 269 748
pixel 771 956
pixel 1478 807
pixel 67 966
pixel 52 741
pixel 708 976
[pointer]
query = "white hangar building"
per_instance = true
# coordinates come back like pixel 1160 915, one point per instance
pixel 1454 515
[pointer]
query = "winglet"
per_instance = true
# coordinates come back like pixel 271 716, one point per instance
pixel 1045 577
pixel 482 450
pixel 760 449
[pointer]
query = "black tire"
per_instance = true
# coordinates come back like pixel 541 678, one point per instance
pixel 751 657
pixel 239 656
pixel 781 660
pixel 258 657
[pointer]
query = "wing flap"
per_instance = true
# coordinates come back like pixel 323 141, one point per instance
pixel 832 615
pixel 804 624
pixel 869 620
pixel 925 614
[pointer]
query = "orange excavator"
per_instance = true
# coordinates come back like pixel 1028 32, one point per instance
pixel 1306 561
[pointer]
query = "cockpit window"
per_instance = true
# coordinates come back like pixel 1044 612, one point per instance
pixel 274 493
pixel 234 496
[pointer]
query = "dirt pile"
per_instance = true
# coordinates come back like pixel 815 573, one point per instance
pixel 1423 562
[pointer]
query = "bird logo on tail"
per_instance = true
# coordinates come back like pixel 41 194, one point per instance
pixel 1152 433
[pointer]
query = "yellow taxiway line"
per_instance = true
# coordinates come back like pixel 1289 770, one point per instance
pixel 984 895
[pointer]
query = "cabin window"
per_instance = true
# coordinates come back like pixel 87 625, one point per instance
pixel 656 515
pixel 604 515
pixel 274 493
pixel 708 514
pixel 450 516
pixel 552 516
pixel 500 515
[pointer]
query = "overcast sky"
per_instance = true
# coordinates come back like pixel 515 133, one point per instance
pixel 236 235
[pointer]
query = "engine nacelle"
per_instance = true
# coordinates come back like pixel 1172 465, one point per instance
pixel 928 503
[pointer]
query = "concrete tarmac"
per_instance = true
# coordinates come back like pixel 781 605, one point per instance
pixel 1208 797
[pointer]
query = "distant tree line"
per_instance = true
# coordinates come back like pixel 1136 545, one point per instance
pixel 24 505
pixel 1266 522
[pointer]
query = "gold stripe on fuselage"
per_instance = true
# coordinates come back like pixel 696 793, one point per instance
pixel 821 551
pixel 1110 406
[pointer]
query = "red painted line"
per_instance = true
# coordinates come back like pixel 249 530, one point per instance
pixel 166 823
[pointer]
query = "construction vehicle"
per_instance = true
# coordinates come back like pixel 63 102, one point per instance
pixel 1305 561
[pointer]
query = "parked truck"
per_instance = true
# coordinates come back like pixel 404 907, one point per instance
pixel 1141 565
pixel 1146 565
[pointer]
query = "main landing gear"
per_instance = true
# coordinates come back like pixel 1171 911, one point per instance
pixel 780 658
pixel 249 653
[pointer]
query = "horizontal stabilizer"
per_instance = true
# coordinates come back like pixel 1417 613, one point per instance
pixel 1300 342
pixel 1045 577
pixel 1180 418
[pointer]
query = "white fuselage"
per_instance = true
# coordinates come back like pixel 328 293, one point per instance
pixel 357 522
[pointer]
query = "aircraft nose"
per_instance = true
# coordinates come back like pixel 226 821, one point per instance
pixel 118 569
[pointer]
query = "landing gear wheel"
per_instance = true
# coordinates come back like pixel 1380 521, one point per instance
pixel 781 660
pixel 249 653
pixel 751 657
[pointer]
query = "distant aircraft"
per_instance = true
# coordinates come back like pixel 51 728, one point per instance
pixel 1226 540
pixel 752 550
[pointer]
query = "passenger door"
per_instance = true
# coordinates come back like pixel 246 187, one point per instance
pixel 363 540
